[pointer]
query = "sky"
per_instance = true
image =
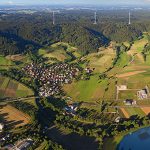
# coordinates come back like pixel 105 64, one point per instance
pixel 94 2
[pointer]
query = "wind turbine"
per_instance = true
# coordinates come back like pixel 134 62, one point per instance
pixel 129 17
pixel 53 18
pixel 95 17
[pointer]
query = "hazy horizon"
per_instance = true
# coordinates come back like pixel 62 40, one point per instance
pixel 76 2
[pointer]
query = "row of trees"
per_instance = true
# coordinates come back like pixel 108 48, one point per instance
pixel 100 132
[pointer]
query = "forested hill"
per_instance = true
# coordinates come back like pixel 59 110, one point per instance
pixel 85 39
pixel 121 32
pixel 22 32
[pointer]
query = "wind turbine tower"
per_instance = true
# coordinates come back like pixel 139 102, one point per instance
pixel 53 18
pixel 129 18
pixel 95 17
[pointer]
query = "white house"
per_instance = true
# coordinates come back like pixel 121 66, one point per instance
pixel 142 94
pixel 121 87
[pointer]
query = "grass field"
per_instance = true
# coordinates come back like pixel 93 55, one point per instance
pixel 5 63
pixel 58 52
pixel 15 61
pixel 123 60
pixel 88 91
pixel 128 94
pixel 101 61
pixel 12 117
pixel 11 88
pixel 17 57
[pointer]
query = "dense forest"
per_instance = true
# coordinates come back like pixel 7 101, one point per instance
pixel 23 32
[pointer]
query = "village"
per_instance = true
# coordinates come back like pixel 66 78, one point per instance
pixel 51 78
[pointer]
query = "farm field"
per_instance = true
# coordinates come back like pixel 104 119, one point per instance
pixel 12 117
pixel 131 111
pixel 11 88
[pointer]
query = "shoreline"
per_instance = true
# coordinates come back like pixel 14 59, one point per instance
pixel 113 142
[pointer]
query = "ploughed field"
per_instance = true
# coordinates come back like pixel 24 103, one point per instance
pixel 11 88
pixel 13 117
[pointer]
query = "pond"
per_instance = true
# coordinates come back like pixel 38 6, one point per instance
pixel 139 140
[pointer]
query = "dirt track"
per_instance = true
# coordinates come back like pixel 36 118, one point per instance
pixel 128 74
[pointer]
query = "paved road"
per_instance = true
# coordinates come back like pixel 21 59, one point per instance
pixel 135 106
pixel 7 100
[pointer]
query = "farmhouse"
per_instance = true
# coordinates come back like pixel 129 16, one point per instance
pixel 89 70
pixel 130 102
pixel 121 87
pixel 71 109
pixel 142 94
pixel 117 120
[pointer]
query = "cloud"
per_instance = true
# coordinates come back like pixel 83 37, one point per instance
pixel 10 2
